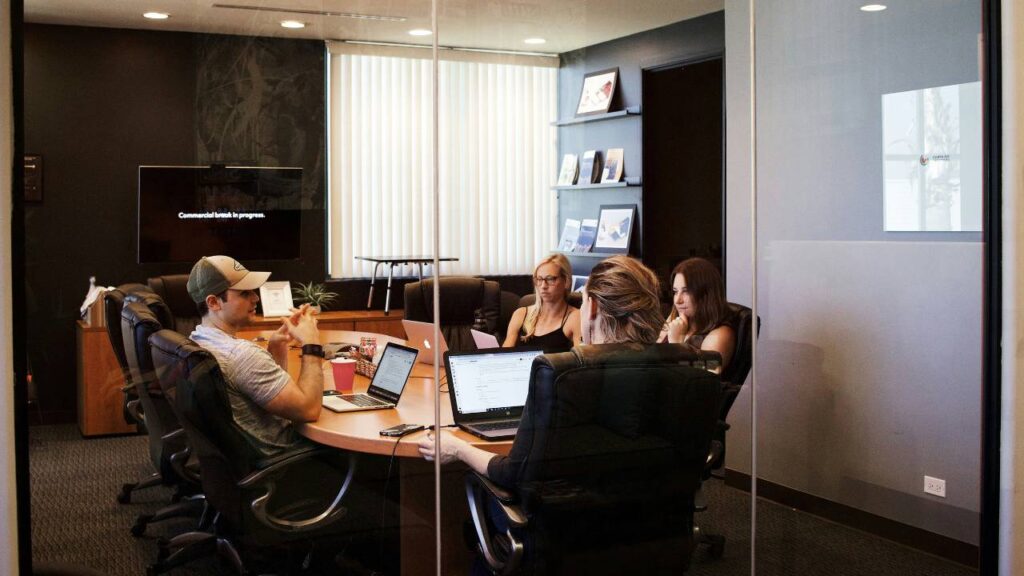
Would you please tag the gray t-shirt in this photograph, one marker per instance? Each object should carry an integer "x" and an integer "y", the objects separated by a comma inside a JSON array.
[{"x": 253, "y": 379}]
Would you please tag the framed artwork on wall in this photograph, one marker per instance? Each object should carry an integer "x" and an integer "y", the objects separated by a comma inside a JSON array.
[
  {"x": 615, "y": 228},
  {"x": 598, "y": 92},
  {"x": 276, "y": 298}
]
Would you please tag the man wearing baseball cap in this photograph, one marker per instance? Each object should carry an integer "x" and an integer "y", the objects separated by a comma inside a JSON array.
[{"x": 265, "y": 401}]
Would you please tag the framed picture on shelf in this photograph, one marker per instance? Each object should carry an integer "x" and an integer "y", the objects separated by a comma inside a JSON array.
[
  {"x": 276, "y": 298},
  {"x": 578, "y": 282},
  {"x": 615, "y": 228},
  {"x": 598, "y": 92}
]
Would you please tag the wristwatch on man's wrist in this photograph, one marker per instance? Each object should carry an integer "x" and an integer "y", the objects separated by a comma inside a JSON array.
[{"x": 313, "y": 350}]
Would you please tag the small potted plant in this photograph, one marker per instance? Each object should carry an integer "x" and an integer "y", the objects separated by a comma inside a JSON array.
[{"x": 316, "y": 295}]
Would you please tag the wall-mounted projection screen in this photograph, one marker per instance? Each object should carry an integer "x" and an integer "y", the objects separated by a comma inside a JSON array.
[{"x": 932, "y": 159}]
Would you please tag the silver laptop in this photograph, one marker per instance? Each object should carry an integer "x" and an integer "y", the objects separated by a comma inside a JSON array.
[
  {"x": 386, "y": 388},
  {"x": 488, "y": 389},
  {"x": 420, "y": 335},
  {"x": 484, "y": 340}
]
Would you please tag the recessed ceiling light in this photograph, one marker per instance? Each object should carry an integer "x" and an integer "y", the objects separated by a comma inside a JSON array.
[
  {"x": 873, "y": 7},
  {"x": 292, "y": 24},
  {"x": 156, "y": 15},
  {"x": 420, "y": 32},
  {"x": 535, "y": 41}
]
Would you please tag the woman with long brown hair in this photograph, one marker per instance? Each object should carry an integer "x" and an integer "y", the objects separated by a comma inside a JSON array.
[{"x": 700, "y": 314}]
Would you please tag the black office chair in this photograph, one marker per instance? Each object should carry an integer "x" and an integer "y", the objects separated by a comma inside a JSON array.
[
  {"x": 173, "y": 290},
  {"x": 168, "y": 450},
  {"x": 466, "y": 303},
  {"x": 113, "y": 301},
  {"x": 259, "y": 502},
  {"x": 733, "y": 378},
  {"x": 602, "y": 473}
]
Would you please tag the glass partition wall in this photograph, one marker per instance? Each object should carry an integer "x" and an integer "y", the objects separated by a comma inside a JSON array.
[
  {"x": 869, "y": 286},
  {"x": 523, "y": 146}
]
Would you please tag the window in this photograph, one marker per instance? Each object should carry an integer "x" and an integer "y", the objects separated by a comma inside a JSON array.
[{"x": 497, "y": 159}]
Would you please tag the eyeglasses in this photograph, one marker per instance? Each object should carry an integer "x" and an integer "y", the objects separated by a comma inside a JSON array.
[{"x": 546, "y": 280}]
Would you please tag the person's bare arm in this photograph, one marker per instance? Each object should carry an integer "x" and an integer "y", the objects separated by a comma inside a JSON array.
[
  {"x": 514, "y": 325},
  {"x": 723, "y": 341},
  {"x": 454, "y": 448},
  {"x": 572, "y": 327},
  {"x": 300, "y": 401}
]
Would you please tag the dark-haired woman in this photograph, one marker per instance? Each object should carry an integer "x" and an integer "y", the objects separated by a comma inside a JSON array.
[{"x": 700, "y": 315}]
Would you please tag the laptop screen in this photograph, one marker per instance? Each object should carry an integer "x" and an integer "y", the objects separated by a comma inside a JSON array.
[
  {"x": 492, "y": 382},
  {"x": 393, "y": 371}
]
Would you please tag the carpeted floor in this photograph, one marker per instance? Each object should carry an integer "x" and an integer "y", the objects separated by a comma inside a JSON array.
[{"x": 77, "y": 521}]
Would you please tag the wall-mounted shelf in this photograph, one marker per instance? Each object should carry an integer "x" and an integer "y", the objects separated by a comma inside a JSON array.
[
  {"x": 631, "y": 111},
  {"x": 630, "y": 181},
  {"x": 586, "y": 254}
]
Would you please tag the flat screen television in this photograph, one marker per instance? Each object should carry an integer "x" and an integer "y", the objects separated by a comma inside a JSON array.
[{"x": 249, "y": 213}]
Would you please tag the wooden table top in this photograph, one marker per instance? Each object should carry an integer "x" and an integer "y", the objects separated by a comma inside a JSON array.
[{"x": 360, "y": 431}]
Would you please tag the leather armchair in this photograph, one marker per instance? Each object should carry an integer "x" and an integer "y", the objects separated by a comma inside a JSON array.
[
  {"x": 113, "y": 301},
  {"x": 466, "y": 303},
  {"x": 292, "y": 496},
  {"x": 167, "y": 448},
  {"x": 173, "y": 290},
  {"x": 733, "y": 378},
  {"x": 602, "y": 474}
]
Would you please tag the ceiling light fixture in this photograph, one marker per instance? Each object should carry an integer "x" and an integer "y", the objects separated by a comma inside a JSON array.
[
  {"x": 156, "y": 15},
  {"x": 420, "y": 32},
  {"x": 292, "y": 24},
  {"x": 535, "y": 41},
  {"x": 873, "y": 7}
]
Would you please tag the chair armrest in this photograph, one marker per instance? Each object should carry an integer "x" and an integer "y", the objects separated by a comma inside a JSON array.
[
  {"x": 134, "y": 409},
  {"x": 478, "y": 488},
  {"x": 264, "y": 480},
  {"x": 179, "y": 460}
]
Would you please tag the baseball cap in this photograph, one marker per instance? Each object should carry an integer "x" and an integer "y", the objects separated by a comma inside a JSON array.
[{"x": 215, "y": 274}]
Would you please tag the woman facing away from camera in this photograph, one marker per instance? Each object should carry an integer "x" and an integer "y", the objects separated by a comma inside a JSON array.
[
  {"x": 620, "y": 305},
  {"x": 550, "y": 322},
  {"x": 700, "y": 314}
]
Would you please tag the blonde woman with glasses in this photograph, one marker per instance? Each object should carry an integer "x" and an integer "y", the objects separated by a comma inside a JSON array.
[{"x": 550, "y": 322}]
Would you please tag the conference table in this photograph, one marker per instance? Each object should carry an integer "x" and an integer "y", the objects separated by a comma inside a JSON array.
[{"x": 360, "y": 432}]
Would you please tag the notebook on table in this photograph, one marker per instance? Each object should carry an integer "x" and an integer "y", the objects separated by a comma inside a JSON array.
[
  {"x": 385, "y": 389},
  {"x": 420, "y": 335},
  {"x": 488, "y": 389}
]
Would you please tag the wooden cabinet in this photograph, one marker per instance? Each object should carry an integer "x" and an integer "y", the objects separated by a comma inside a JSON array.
[{"x": 100, "y": 399}]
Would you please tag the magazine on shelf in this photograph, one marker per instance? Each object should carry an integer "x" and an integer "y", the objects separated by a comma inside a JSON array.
[
  {"x": 612, "y": 165},
  {"x": 570, "y": 170},
  {"x": 590, "y": 167},
  {"x": 588, "y": 233},
  {"x": 570, "y": 232}
]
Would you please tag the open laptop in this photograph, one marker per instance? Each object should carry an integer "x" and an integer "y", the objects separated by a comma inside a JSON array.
[
  {"x": 420, "y": 335},
  {"x": 488, "y": 389},
  {"x": 386, "y": 388},
  {"x": 484, "y": 340}
]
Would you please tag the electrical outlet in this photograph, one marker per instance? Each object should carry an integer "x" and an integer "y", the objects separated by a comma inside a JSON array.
[{"x": 935, "y": 486}]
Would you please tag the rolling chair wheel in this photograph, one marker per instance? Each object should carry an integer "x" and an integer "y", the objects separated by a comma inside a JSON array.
[
  {"x": 126, "y": 494},
  {"x": 139, "y": 528}
]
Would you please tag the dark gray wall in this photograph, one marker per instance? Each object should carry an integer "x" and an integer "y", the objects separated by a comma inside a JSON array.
[
  {"x": 99, "y": 102},
  {"x": 869, "y": 360},
  {"x": 677, "y": 42}
]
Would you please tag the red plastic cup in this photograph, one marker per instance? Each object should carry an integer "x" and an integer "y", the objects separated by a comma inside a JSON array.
[{"x": 344, "y": 370}]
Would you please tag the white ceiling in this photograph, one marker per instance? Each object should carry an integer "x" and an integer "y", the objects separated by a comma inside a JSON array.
[{"x": 489, "y": 24}]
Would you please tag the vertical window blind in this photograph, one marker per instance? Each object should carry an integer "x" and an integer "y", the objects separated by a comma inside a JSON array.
[{"x": 497, "y": 162}]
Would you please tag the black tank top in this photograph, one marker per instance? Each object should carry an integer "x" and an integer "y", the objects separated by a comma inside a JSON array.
[{"x": 554, "y": 341}]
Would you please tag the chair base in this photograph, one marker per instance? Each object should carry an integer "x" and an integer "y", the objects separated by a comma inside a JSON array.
[{"x": 125, "y": 495}]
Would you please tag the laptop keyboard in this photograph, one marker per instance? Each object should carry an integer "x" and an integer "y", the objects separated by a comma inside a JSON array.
[
  {"x": 363, "y": 400},
  {"x": 502, "y": 425}
]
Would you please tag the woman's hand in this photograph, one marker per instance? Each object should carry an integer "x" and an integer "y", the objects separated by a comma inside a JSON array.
[
  {"x": 450, "y": 446},
  {"x": 677, "y": 329}
]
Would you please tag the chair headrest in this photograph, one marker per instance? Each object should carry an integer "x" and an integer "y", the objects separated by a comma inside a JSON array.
[
  {"x": 462, "y": 298},
  {"x": 155, "y": 303},
  {"x": 173, "y": 288}
]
